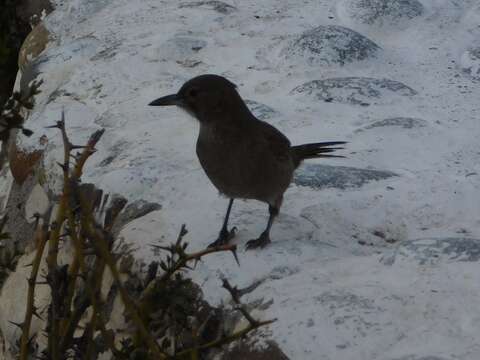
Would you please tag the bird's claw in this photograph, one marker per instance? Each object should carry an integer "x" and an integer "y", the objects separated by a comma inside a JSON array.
[
  {"x": 261, "y": 242},
  {"x": 224, "y": 237}
]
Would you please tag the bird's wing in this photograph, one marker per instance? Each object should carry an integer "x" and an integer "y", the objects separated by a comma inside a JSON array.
[{"x": 277, "y": 143}]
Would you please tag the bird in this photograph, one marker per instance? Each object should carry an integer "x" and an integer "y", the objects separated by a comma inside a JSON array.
[{"x": 243, "y": 156}]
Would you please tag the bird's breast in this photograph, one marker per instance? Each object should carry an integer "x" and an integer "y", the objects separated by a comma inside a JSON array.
[
  {"x": 217, "y": 150},
  {"x": 225, "y": 158}
]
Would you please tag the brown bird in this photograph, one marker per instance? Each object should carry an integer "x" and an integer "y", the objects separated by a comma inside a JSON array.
[{"x": 243, "y": 156}]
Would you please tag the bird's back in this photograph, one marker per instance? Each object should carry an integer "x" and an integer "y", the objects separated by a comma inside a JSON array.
[{"x": 247, "y": 159}]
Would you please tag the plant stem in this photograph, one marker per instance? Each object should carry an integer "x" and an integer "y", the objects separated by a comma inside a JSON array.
[{"x": 41, "y": 242}]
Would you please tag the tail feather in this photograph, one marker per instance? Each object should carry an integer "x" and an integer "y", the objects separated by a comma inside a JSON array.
[{"x": 316, "y": 150}]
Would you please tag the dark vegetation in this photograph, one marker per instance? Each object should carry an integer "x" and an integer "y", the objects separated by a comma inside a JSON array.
[
  {"x": 163, "y": 311},
  {"x": 13, "y": 31}
]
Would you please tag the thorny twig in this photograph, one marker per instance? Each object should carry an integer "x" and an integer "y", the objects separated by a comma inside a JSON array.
[
  {"x": 172, "y": 266},
  {"x": 183, "y": 258},
  {"x": 101, "y": 245},
  {"x": 41, "y": 241},
  {"x": 77, "y": 205},
  {"x": 62, "y": 214}
]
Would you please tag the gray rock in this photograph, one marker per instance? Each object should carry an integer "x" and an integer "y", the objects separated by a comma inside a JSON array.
[
  {"x": 354, "y": 90},
  {"x": 403, "y": 122},
  {"x": 340, "y": 177},
  {"x": 280, "y": 272},
  {"x": 116, "y": 151},
  {"x": 138, "y": 209},
  {"x": 470, "y": 62},
  {"x": 219, "y": 6},
  {"x": 382, "y": 12},
  {"x": 133, "y": 211},
  {"x": 261, "y": 111},
  {"x": 432, "y": 250},
  {"x": 330, "y": 44},
  {"x": 347, "y": 310},
  {"x": 341, "y": 299}
]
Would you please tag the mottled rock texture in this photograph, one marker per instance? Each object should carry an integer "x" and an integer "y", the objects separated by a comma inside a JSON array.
[
  {"x": 354, "y": 90},
  {"x": 401, "y": 122},
  {"x": 261, "y": 111},
  {"x": 218, "y": 6},
  {"x": 433, "y": 251},
  {"x": 330, "y": 44},
  {"x": 382, "y": 12},
  {"x": 340, "y": 177}
]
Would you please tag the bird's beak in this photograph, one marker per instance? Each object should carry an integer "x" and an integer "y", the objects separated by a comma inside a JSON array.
[{"x": 168, "y": 100}]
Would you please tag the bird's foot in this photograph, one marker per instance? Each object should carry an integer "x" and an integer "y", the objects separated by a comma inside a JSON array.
[
  {"x": 261, "y": 242},
  {"x": 224, "y": 237}
]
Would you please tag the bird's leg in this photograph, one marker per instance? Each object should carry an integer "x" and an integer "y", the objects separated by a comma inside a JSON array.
[
  {"x": 264, "y": 238},
  {"x": 225, "y": 235}
]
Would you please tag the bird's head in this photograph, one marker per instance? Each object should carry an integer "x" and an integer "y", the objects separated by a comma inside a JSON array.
[{"x": 205, "y": 97}]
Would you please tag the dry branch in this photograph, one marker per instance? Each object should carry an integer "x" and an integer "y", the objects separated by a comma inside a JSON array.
[
  {"x": 41, "y": 241},
  {"x": 78, "y": 219}
]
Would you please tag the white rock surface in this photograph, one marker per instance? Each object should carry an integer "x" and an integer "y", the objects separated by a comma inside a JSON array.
[
  {"x": 334, "y": 298},
  {"x": 37, "y": 203}
]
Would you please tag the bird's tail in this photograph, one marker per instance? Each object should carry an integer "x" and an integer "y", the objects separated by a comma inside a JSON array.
[{"x": 316, "y": 150}]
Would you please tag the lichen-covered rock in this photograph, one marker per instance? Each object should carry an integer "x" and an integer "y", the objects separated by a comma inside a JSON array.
[
  {"x": 341, "y": 177},
  {"x": 261, "y": 111},
  {"x": 354, "y": 90},
  {"x": 331, "y": 44},
  {"x": 348, "y": 309},
  {"x": 433, "y": 250},
  {"x": 402, "y": 122},
  {"x": 470, "y": 62},
  {"x": 219, "y": 6},
  {"x": 381, "y": 12}
]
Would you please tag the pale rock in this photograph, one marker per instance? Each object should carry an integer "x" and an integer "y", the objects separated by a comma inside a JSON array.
[{"x": 37, "y": 203}]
